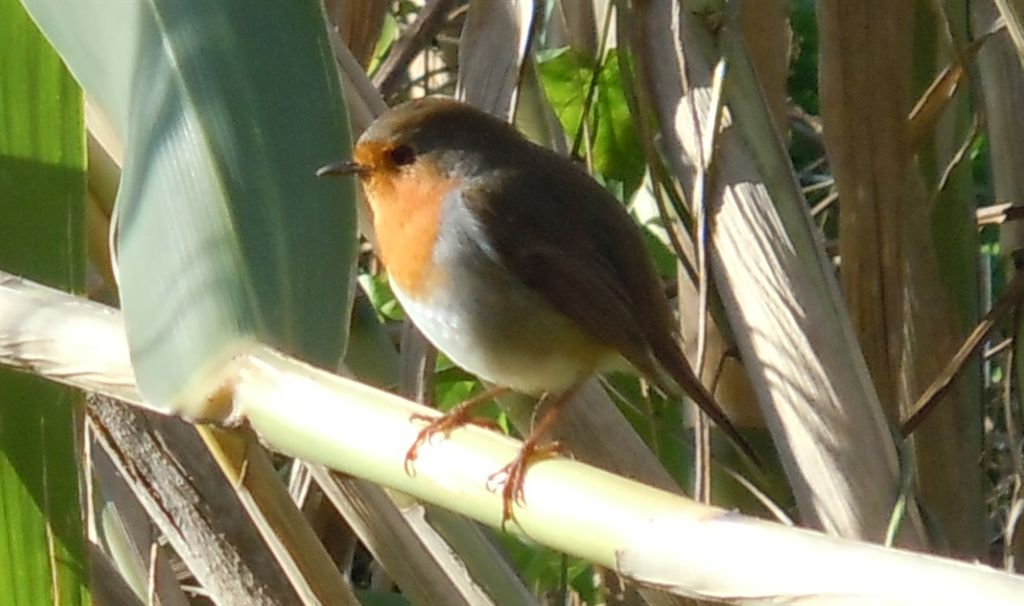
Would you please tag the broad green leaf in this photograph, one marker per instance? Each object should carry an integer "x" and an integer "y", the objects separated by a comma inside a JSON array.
[
  {"x": 224, "y": 236},
  {"x": 566, "y": 76},
  {"x": 42, "y": 189},
  {"x": 616, "y": 154}
]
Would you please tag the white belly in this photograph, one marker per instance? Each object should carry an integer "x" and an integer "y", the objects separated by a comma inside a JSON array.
[{"x": 506, "y": 337}]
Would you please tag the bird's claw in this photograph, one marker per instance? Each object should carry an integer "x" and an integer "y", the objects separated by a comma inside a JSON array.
[
  {"x": 512, "y": 477},
  {"x": 443, "y": 425}
]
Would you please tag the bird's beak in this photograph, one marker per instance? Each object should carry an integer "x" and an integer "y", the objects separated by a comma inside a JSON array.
[{"x": 345, "y": 167}]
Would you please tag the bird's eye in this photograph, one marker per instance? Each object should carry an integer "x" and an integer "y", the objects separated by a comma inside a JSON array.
[{"x": 401, "y": 155}]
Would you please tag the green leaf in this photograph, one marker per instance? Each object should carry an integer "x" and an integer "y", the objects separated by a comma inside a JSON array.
[
  {"x": 658, "y": 421},
  {"x": 617, "y": 151},
  {"x": 548, "y": 571},
  {"x": 803, "y": 74},
  {"x": 388, "y": 36},
  {"x": 664, "y": 257},
  {"x": 566, "y": 75},
  {"x": 378, "y": 289},
  {"x": 224, "y": 235},
  {"x": 380, "y": 598},
  {"x": 42, "y": 189},
  {"x": 616, "y": 154}
]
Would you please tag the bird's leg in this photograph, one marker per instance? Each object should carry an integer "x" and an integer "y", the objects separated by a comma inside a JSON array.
[
  {"x": 512, "y": 477},
  {"x": 461, "y": 415}
]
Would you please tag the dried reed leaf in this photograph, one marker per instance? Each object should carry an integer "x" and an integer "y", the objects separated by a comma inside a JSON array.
[
  {"x": 777, "y": 287},
  {"x": 492, "y": 49},
  {"x": 359, "y": 23},
  {"x": 940, "y": 92},
  {"x": 571, "y": 23}
]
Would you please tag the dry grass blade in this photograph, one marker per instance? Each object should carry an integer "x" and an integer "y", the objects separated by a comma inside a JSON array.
[
  {"x": 768, "y": 35},
  {"x": 291, "y": 540},
  {"x": 428, "y": 21},
  {"x": 107, "y": 584},
  {"x": 1013, "y": 528},
  {"x": 998, "y": 214},
  {"x": 961, "y": 154},
  {"x": 187, "y": 498},
  {"x": 418, "y": 360},
  {"x": 359, "y": 23},
  {"x": 908, "y": 264},
  {"x": 363, "y": 101},
  {"x": 572, "y": 23},
  {"x": 127, "y": 535},
  {"x": 705, "y": 163},
  {"x": 778, "y": 288},
  {"x": 867, "y": 137},
  {"x": 112, "y": 377},
  {"x": 1012, "y": 12},
  {"x": 491, "y": 54},
  {"x": 999, "y": 68},
  {"x": 104, "y": 175},
  {"x": 422, "y": 563},
  {"x": 1009, "y": 303},
  {"x": 535, "y": 117},
  {"x": 934, "y": 101}
]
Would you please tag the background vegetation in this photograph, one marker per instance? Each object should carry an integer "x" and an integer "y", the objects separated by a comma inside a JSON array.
[{"x": 898, "y": 122}]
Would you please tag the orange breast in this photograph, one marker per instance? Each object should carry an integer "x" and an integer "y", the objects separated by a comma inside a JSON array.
[{"x": 406, "y": 207}]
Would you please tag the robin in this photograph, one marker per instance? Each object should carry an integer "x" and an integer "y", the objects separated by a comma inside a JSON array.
[{"x": 516, "y": 264}]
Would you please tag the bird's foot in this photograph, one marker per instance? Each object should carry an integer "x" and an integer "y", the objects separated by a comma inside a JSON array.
[
  {"x": 444, "y": 424},
  {"x": 440, "y": 425},
  {"x": 512, "y": 477}
]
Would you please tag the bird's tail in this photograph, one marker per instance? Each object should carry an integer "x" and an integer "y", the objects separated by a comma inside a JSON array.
[{"x": 671, "y": 359}]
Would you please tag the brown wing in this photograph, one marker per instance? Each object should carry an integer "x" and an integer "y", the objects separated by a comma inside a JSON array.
[
  {"x": 589, "y": 296},
  {"x": 560, "y": 233}
]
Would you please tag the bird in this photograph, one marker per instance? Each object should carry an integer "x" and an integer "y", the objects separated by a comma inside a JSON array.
[{"x": 517, "y": 265}]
